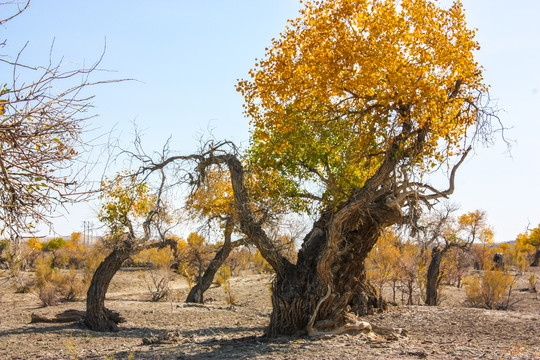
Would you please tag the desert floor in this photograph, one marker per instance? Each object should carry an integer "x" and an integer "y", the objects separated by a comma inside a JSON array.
[{"x": 172, "y": 330}]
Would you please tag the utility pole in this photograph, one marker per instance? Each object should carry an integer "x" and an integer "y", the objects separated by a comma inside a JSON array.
[{"x": 86, "y": 229}]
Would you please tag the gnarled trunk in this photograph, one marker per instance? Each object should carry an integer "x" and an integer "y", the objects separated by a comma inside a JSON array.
[
  {"x": 98, "y": 318},
  {"x": 432, "y": 284},
  {"x": 196, "y": 293},
  {"x": 328, "y": 282},
  {"x": 536, "y": 258}
]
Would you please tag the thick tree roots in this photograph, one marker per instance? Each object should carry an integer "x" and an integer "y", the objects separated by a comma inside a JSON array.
[
  {"x": 105, "y": 321},
  {"x": 353, "y": 324}
]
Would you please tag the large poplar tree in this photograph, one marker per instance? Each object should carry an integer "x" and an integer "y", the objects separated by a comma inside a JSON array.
[{"x": 352, "y": 108}]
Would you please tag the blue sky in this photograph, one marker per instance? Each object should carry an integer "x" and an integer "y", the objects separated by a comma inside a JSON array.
[{"x": 187, "y": 55}]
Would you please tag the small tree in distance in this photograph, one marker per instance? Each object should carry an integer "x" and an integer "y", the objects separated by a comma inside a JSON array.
[{"x": 444, "y": 233}]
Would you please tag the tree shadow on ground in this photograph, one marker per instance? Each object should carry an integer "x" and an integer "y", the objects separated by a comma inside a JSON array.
[{"x": 243, "y": 347}]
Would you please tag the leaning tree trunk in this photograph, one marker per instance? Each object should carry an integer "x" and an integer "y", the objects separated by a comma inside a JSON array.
[
  {"x": 328, "y": 282},
  {"x": 536, "y": 258},
  {"x": 99, "y": 318},
  {"x": 432, "y": 283},
  {"x": 196, "y": 293}
]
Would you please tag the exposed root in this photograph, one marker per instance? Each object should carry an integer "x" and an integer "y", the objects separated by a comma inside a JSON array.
[
  {"x": 354, "y": 324},
  {"x": 309, "y": 327}
]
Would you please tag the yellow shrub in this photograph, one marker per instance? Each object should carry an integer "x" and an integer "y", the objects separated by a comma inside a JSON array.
[
  {"x": 261, "y": 265},
  {"x": 223, "y": 275},
  {"x": 491, "y": 290}
]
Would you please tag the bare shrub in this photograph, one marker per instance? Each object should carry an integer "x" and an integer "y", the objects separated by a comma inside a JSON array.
[
  {"x": 490, "y": 290},
  {"x": 48, "y": 293},
  {"x": 71, "y": 286},
  {"x": 159, "y": 274}
]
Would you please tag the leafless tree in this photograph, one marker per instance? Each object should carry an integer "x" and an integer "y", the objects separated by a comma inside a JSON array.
[{"x": 43, "y": 110}]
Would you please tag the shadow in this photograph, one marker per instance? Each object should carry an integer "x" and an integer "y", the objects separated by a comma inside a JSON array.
[
  {"x": 78, "y": 329},
  {"x": 245, "y": 347}
]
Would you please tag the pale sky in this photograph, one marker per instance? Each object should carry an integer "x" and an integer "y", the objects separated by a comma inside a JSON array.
[{"x": 187, "y": 55}]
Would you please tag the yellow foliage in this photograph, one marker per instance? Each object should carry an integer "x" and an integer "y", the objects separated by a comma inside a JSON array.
[
  {"x": 34, "y": 244},
  {"x": 223, "y": 275},
  {"x": 346, "y": 78},
  {"x": 123, "y": 198},
  {"x": 490, "y": 290},
  {"x": 381, "y": 262},
  {"x": 155, "y": 258},
  {"x": 214, "y": 197}
]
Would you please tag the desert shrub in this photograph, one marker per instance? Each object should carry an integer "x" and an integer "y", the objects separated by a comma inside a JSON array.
[
  {"x": 223, "y": 279},
  {"x": 53, "y": 285},
  {"x": 67, "y": 254},
  {"x": 491, "y": 290},
  {"x": 223, "y": 275},
  {"x": 93, "y": 258},
  {"x": 71, "y": 285},
  {"x": 159, "y": 274},
  {"x": 260, "y": 264},
  {"x": 532, "y": 283},
  {"x": 48, "y": 294}
]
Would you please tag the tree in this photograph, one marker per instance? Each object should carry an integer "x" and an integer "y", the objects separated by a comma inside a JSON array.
[
  {"x": 42, "y": 114},
  {"x": 530, "y": 242},
  {"x": 212, "y": 200},
  {"x": 444, "y": 233},
  {"x": 352, "y": 108},
  {"x": 133, "y": 215},
  {"x": 362, "y": 98}
]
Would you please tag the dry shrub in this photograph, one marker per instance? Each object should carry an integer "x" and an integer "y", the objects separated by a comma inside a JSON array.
[
  {"x": 490, "y": 290},
  {"x": 223, "y": 279},
  {"x": 159, "y": 274},
  {"x": 261, "y": 265},
  {"x": 48, "y": 294},
  {"x": 53, "y": 285},
  {"x": 532, "y": 283},
  {"x": 223, "y": 275},
  {"x": 230, "y": 297}
]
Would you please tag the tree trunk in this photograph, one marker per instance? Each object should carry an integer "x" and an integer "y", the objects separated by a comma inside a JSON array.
[
  {"x": 432, "y": 284},
  {"x": 196, "y": 293},
  {"x": 329, "y": 281},
  {"x": 98, "y": 318},
  {"x": 536, "y": 258}
]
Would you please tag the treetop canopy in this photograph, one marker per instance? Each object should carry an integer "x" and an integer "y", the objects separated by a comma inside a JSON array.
[{"x": 349, "y": 79}]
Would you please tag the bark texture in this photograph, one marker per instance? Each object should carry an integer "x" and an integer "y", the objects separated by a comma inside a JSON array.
[
  {"x": 333, "y": 264},
  {"x": 196, "y": 294},
  {"x": 536, "y": 258},
  {"x": 432, "y": 284},
  {"x": 99, "y": 318}
]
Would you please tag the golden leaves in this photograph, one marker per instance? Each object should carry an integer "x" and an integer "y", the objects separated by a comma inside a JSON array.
[{"x": 362, "y": 69}]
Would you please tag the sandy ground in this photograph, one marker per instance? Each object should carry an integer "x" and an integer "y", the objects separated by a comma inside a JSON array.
[{"x": 171, "y": 330}]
